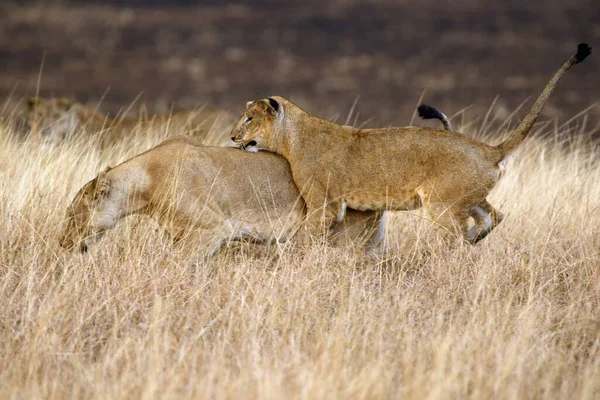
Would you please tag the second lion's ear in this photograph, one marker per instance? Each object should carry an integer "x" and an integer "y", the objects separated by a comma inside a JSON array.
[
  {"x": 102, "y": 184},
  {"x": 32, "y": 102}
]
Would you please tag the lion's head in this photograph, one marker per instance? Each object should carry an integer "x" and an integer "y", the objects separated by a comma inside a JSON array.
[
  {"x": 86, "y": 217},
  {"x": 53, "y": 119},
  {"x": 256, "y": 128}
]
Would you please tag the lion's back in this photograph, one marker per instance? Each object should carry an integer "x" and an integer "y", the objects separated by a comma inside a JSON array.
[
  {"x": 255, "y": 189},
  {"x": 253, "y": 181},
  {"x": 236, "y": 181}
]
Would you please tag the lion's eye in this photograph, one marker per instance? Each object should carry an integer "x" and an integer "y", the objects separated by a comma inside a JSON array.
[{"x": 248, "y": 119}]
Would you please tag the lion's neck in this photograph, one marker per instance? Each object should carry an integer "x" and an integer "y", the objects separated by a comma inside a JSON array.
[
  {"x": 306, "y": 136},
  {"x": 129, "y": 187}
]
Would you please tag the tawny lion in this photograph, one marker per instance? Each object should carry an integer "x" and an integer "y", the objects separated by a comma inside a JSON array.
[
  {"x": 208, "y": 195},
  {"x": 335, "y": 167},
  {"x": 55, "y": 119}
]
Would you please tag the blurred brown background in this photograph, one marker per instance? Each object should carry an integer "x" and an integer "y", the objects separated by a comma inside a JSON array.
[{"x": 320, "y": 54}]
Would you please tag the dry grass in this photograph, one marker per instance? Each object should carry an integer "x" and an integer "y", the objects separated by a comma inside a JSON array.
[{"x": 517, "y": 316}]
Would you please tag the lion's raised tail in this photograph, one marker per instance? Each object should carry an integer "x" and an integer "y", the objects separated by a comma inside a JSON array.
[
  {"x": 509, "y": 145},
  {"x": 428, "y": 112}
]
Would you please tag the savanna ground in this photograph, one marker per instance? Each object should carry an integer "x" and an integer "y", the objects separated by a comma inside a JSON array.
[{"x": 516, "y": 316}]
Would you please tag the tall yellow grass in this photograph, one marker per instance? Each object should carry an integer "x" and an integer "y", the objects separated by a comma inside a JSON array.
[{"x": 516, "y": 316}]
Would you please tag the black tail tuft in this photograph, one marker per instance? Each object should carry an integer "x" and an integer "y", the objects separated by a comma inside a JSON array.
[
  {"x": 583, "y": 50},
  {"x": 427, "y": 112}
]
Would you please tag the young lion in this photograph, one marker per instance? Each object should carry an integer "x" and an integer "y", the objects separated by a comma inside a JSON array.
[
  {"x": 55, "y": 119},
  {"x": 335, "y": 167},
  {"x": 207, "y": 195}
]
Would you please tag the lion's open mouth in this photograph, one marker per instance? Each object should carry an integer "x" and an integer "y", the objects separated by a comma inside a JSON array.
[{"x": 251, "y": 143}]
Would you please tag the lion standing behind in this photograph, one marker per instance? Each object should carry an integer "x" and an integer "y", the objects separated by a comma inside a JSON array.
[{"x": 405, "y": 168}]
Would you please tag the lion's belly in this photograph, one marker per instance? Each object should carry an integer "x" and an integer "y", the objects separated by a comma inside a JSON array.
[{"x": 365, "y": 202}]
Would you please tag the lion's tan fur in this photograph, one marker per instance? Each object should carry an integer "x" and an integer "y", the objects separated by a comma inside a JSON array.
[
  {"x": 206, "y": 194},
  {"x": 58, "y": 118},
  {"x": 334, "y": 166}
]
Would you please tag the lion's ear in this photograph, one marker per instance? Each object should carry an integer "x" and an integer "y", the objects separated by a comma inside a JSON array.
[
  {"x": 66, "y": 103},
  {"x": 102, "y": 184},
  {"x": 274, "y": 104},
  {"x": 269, "y": 106},
  {"x": 32, "y": 102}
]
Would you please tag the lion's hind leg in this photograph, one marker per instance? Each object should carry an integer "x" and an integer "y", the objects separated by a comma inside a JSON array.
[
  {"x": 450, "y": 221},
  {"x": 486, "y": 219}
]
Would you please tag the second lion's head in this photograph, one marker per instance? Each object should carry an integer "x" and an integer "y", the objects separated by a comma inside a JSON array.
[{"x": 52, "y": 118}]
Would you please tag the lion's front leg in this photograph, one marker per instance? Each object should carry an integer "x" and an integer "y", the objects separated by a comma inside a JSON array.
[{"x": 320, "y": 218}]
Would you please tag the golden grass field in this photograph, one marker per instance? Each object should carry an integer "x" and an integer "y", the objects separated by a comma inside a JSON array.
[{"x": 516, "y": 316}]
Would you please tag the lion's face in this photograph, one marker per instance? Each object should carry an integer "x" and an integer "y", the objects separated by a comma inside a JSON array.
[
  {"x": 255, "y": 129},
  {"x": 52, "y": 119},
  {"x": 84, "y": 218}
]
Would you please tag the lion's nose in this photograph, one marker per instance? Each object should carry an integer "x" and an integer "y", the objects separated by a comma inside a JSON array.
[{"x": 62, "y": 241}]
